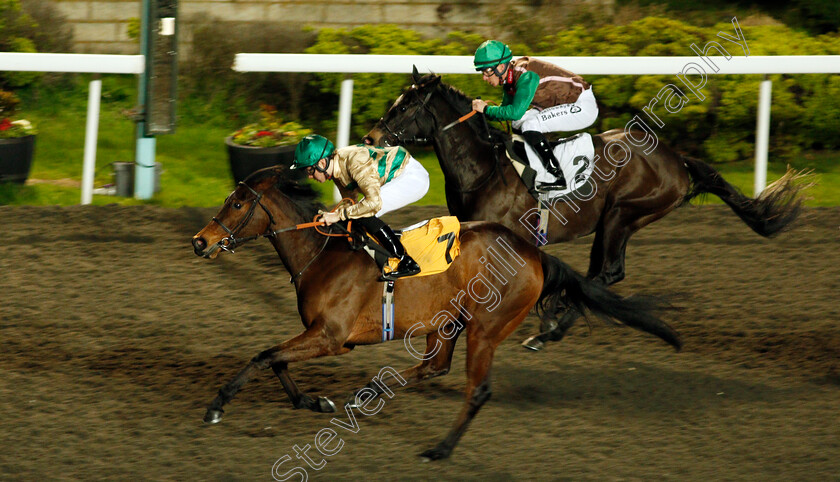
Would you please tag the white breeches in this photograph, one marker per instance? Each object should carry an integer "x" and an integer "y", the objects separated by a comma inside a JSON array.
[
  {"x": 410, "y": 186},
  {"x": 561, "y": 118}
]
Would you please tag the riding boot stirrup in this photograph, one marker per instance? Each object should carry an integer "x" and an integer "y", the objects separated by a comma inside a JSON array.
[
  {"x": 543, "y": 149},
  {"x": 391, "y": 242}
]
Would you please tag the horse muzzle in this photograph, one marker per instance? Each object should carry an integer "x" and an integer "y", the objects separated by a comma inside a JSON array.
[
  {"x": 201, "y": 249},
  {"x": 377, "y": 137}
]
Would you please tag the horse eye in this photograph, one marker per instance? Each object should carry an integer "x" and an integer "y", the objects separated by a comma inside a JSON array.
[
  {"x": 237, "y": 205},
  {"x": 402, "y": 108}
]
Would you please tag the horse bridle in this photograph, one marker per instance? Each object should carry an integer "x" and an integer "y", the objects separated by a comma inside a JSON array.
[
  {"x": 397, "y": 136},
  {"x": 424, "y": 140},
  {"x": 231, "y": 241}
]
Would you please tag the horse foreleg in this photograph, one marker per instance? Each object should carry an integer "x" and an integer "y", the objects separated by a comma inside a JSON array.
[
  {"x": 556, "y": 330},
  {"x": 436, "y": 365},
  {"x": 596, "y": 254},
  {"x": 619, "y": 226},
  {"x": 309, "y": 344},
  {"x": 554, "y": 333},
  {"x": 298, "y": 398},
  {"x": 606, "y": 264},
  {"x": 480, "y": 352}
]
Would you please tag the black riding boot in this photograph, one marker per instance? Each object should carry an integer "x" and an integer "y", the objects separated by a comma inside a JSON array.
[
  {"x": 391, "y": 242},
  {"x": 543, "y": 148}
]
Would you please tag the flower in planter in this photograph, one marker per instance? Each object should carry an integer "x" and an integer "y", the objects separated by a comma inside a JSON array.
[
  {"x": 12, "y": 128},
  {"x": 270, "y": 131}
]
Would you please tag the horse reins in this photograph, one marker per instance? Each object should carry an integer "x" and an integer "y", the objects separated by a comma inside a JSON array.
[
  {"x": 459, "y": 120},
  {"x": 231, "y": 242},
  {"x": 423, "y": 140},
  {"x": 496, "y": 167}
]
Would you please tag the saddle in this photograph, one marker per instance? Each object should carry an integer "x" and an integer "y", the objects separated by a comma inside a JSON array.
[
  {"x": 434, "y": 244},
  {"x": 574, "y": 153}
]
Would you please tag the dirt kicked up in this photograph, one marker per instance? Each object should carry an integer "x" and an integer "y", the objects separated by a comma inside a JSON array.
[{"x": 114, "y": 337}]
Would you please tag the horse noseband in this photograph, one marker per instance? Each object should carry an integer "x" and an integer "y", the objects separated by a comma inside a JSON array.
[{"x": 230, "y": 242}]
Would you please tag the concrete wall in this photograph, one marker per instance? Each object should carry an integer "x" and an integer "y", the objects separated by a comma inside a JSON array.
[{"x": 102, "y": 26}]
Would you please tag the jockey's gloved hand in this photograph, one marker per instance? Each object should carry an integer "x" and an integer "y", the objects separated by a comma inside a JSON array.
[{"x": 478, "y": 105}]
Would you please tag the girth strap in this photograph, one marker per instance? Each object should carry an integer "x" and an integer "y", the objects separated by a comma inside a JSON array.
[{"x": 388, "y": 311}]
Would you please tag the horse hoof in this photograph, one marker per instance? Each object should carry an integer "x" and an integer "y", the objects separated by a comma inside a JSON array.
[
  {"x": 325, "y": 405},
  {"x": 213, "y": 416},
  {"x": 437, "y": 453},
  {"x": 534, "y": 343},
  {"x": 352, "y": 403}
]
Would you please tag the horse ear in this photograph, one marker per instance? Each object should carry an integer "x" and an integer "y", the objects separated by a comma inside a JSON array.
[{"x": 415, "y": 74}]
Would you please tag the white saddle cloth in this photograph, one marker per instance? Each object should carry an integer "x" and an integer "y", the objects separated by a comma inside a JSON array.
[{"x": 575, "y": 158}]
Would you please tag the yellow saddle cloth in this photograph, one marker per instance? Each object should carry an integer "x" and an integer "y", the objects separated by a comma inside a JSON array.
[{"x": 434, "y": 245}]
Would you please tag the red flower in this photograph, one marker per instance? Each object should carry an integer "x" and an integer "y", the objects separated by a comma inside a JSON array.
[
  {"x": 5, "y": 124},
  {"x": 263, "y": 133}
]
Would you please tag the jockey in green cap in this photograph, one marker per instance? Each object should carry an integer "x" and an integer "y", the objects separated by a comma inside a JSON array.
[
  {"x": 388, "y": 178},
  {"x": 539, "y": 97}
]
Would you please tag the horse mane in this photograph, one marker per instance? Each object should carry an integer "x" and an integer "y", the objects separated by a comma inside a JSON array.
[
  {"x": 304, "y": 199},
  {"x": 464, "y": 103}
]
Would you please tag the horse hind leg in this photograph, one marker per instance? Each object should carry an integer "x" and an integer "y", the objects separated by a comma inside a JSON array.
[
  {"x": 480, "y": 353},
  {"x": 439, "y": 359},
  {"x": 482, "y": 340}
]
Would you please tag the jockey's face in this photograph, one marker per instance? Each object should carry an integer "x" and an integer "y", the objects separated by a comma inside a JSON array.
[
  {"x": 313, "y": 173},
  {"x": 489, "y": 75}
]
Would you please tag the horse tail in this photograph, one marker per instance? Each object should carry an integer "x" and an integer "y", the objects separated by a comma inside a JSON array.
[
  {"x": 563, "y": 286},
  {"x": 768, "y": 214}
]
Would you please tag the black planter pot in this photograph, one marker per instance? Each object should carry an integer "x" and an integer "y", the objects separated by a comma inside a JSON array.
[
  {"x": 244, "y": 160},
  {"x": 16, "y": 158}
]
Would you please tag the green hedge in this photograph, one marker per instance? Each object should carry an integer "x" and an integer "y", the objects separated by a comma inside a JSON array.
[
  {"x": 14, "y": 24},
  {"x": 805, "y": 113}
]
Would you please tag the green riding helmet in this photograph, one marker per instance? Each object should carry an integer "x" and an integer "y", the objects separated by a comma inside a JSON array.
[
  {"x": 312, "y": 149},
  {"x": 490, "y": 54}
]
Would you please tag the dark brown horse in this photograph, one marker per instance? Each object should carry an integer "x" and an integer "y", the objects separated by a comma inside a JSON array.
[
  {"x": 486, "y": 292},
  {"x": 629, "y": 188}
]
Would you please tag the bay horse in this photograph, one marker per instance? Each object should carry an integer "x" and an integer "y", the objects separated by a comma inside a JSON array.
[
  {"x": 480, "y": 183},
  {"x": 339, "y": 296}
]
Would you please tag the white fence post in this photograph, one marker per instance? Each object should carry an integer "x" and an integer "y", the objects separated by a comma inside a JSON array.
[
  {"x": 82, "y": 63},
  {"x": 345, "y": 107},
  {"x": 762, "y": 136},
  {"x": 91, "y": 134}
]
